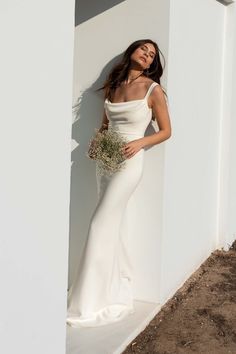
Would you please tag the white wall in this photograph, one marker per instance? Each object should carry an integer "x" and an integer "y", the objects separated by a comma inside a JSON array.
[
  {"x": 228, "y": 224},
  {"x": 36, "y": 97},
  {"x": 183, "y": 209},
  {"x": 190, "y": 207},
  {"x": 98, "y": 42}
]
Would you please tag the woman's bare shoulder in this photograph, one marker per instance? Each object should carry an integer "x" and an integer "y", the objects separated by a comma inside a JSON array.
[{"x": 148, "y": 81}]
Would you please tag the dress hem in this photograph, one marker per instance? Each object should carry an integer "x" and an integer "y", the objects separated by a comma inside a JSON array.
[{"x": 97, "y": 319}]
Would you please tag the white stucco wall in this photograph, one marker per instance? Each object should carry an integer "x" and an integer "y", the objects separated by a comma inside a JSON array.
[
  {"x": 190, "y": 207},
  {"x": 178, "y": 212},
  {"x": 226, "y": 230},
  {"x": 36, "y": 96},
  {"x": 230, "y": 228},
  {"x": 97, "y": 42}
]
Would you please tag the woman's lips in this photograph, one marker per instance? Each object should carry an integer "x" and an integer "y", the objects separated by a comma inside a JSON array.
[{"x": 143, "y": 59}]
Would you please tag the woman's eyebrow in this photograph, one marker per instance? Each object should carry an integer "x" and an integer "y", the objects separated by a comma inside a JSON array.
[{"x": 150, "y": 50}]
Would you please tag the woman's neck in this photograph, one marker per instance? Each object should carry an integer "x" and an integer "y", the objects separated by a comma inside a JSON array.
[{"x": 133, "y": 75}]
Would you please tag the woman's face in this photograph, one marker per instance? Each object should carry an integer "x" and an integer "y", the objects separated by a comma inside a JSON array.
[{"x": 144, "y": 55}]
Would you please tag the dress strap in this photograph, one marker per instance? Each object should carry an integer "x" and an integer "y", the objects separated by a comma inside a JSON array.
[{"x": 151, "y": 87}]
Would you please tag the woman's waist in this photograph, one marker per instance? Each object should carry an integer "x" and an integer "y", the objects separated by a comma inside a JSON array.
[{"x": 127, "y": 133}]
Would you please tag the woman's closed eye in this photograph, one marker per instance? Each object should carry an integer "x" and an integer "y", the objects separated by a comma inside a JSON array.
[{"x": 145, "y": 49}]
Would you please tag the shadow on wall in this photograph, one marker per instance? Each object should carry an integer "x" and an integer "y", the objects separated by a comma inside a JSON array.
[
  {"x": 88, "y": 112},
  {"x": 86, "y": 9},
  {"x": 225, "y": 2}
]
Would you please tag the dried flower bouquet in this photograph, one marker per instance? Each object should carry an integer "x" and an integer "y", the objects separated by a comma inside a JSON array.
[{"x": 106, "y": 148}]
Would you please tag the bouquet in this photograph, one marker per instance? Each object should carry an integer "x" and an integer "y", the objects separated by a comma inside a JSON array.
[{"x": 107, "y": 149}]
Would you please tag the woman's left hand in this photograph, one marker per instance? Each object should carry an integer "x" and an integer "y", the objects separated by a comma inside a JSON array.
[{"x": 132, "y": 147}]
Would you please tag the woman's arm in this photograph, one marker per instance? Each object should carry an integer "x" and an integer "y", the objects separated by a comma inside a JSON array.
[
  {"x": 159, "y": 107},
  {"x": 105, "y": 122}
]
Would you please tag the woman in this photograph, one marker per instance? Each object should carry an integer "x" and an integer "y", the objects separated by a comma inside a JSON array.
[{"x": 102, "y": 289}]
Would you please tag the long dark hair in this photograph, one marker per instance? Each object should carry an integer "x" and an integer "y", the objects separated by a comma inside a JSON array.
[{"x": 119, "y": 72}]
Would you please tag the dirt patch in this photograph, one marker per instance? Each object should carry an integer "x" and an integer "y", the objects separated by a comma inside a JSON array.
[{"x": 201, "y": 317}]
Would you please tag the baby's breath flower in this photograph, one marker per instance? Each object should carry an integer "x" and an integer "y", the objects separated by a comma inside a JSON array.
[{"x": 106, "y": 148}]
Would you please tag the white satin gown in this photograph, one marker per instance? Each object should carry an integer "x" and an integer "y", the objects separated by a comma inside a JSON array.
[{"x": 101, "y": 292}]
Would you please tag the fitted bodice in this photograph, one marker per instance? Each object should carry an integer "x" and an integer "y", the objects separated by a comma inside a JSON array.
[{"x": 130, "y": 118}]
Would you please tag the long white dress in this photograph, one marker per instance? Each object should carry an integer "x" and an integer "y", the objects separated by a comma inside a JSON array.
[{"x": 102, "y": 289}]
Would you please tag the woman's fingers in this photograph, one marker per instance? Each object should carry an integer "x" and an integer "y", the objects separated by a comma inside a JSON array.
[{"x": 129, "y": 150}]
